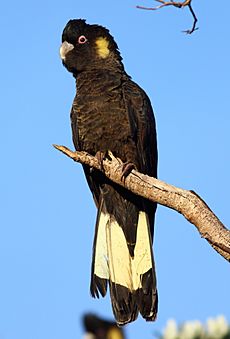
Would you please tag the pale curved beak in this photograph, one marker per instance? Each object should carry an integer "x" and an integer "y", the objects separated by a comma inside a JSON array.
[{"x": 65, "y": 48}]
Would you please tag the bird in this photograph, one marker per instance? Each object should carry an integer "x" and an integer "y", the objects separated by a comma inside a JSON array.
[
  {"x": 100, "y": 328},
  {"x": 111, "y": 113}
]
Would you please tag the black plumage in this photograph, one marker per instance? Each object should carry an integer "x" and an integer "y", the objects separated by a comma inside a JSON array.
[
  {"x": 111, "y": 112},
  {"x": 100, "y": 328}
]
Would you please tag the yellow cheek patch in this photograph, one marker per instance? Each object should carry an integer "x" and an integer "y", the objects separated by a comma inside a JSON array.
[
  {"x": 102, "y": 47},
  {"x": 115, "y": 333}
]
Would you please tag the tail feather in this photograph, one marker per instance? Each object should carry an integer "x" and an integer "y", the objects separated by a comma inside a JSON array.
[
  {"x": 131, "y": 278},
  {"x": 100, "y": 268},
  {"x": 147, "y": 298},
  {"x": 124, "y": 304}
]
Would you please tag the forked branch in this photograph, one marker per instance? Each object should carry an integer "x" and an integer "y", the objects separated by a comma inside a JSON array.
[
  {"x": 188, "y": 203},
  {"x": 178, "y": 5}
]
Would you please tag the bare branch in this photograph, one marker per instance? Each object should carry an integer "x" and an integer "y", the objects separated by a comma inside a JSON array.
[
  {"x": 178, "y": 5},
  {"x": 194, "y": 28},
  {"x": 188, "y": 203}
]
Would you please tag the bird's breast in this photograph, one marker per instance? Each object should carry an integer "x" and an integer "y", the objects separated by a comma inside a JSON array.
[{"x": 102, "y": 118}]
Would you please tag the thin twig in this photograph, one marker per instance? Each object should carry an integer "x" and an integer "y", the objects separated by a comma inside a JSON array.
[
  {"x": 194, "y": 28},
  {"x": 178, "y": 5}
]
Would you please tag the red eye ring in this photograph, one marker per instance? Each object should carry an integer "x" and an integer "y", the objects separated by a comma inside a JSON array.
[{"x": 82, "y": 39}]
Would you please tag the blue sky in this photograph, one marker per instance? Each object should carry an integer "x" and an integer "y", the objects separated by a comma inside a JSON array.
[{"x": 47, "y": 213}]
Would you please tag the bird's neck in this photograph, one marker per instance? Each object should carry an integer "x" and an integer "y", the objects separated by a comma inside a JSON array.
[{"x": 100, "y": 79}]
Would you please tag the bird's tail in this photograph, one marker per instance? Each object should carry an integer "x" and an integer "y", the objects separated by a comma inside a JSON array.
[{"x": 132, "y": 279}]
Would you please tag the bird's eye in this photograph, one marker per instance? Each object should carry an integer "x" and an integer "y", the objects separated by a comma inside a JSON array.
[{"x": 82, "y": 39}]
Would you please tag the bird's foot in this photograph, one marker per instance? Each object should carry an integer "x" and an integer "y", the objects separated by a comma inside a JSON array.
[
  {"x": 126, "y": 169},
  {"x": 100, "y": 157}
]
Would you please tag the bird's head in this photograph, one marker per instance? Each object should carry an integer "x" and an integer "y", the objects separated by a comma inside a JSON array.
[{"x": 88, "y": 47}]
